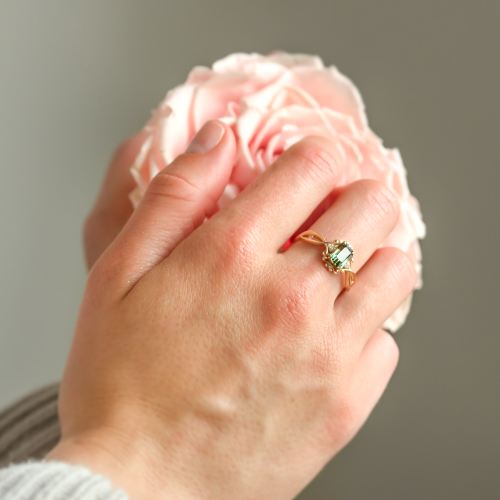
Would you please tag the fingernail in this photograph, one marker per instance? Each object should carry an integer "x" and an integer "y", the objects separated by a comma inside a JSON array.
[{"x": 206, "y": 138}]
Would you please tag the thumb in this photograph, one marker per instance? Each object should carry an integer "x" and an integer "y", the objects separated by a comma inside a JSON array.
[{"x": 176, "y": 202}]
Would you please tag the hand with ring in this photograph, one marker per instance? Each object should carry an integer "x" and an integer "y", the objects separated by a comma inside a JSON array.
[{"x": 206, "y": 362}]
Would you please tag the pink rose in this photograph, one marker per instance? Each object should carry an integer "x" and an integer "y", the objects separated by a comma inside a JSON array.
[{"x": 271, "y": 102}]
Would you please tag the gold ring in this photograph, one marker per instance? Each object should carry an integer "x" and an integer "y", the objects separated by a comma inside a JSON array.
[{"x": 337, "y": 257}]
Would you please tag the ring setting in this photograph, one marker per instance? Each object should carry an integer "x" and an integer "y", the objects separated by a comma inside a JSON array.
[{"x": 337, "y": 256}]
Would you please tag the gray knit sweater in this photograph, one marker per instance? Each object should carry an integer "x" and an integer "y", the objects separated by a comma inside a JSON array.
[{"x": 29, "y": 429}]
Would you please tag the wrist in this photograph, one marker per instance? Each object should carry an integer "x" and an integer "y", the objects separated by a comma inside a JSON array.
[{"x": 128, "y": 466}]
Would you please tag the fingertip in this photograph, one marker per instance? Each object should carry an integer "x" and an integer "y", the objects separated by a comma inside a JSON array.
[
  {"x": 207, "y": 138},
  {"x": 225, "y": 150},
  {"x": 212, "y": 137},
  {"x": 213, "y": 151}
]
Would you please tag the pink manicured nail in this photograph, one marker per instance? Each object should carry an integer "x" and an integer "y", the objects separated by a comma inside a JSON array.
[{"x": 206, "y": 138}]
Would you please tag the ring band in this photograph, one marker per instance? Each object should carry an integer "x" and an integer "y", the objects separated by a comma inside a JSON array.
[{"x": 337, "y": 256}]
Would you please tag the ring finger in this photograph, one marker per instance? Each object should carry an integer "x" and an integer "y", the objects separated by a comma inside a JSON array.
[{"x": 364, "y": 214}]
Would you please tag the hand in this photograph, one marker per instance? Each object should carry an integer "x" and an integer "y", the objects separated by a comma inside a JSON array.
[
  {"x": 113, "y": 206},
  {"x": 205, "y": 363}
]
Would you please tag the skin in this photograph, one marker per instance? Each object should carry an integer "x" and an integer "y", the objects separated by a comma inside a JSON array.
[{"x": 207, "y": 363}]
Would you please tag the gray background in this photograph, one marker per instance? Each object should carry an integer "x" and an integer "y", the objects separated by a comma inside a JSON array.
[{"x": 77, "y": 77}]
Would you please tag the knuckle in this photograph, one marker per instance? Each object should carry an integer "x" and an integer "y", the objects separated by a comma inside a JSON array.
[
  {"x": 293, "y": 300},
  {"x": 235, "y": 245},
  {"x": 325, "y": 360},
  {"x": 316, "y": 158},
  {"x": 382, "y": 201},
  {"x": 169, "y": 183}
]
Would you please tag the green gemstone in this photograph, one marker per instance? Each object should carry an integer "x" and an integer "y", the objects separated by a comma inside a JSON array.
[{"x": 341, "y": 256}]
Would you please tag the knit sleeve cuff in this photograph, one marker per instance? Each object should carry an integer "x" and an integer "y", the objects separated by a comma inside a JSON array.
[{"x": 51, "y": 480}]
